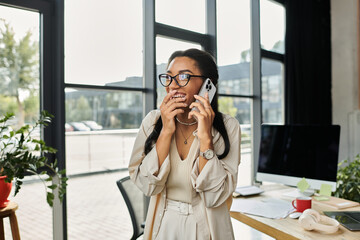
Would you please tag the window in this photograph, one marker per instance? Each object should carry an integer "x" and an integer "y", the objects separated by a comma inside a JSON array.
[
  {"x": 233, "y": 59},
  {"x": 272, "y": 91},
  {"x": 101, "y": 47},
  {"x": 185, "y": 14},
  {"x": 272, "y": 27},
  {"x": 234, "y": 73},
  {"x": 104, "y": 98},
  {"x": 108, "y": 140},
  {"x": 24, "y": 64},
  {"x": 19, "y": 43}
]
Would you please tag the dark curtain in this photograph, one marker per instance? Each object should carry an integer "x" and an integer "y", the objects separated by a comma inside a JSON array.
[{"x": 308, "y": 62}]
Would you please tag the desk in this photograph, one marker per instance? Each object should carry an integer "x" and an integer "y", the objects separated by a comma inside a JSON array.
[{"x": 289, "y": 229}]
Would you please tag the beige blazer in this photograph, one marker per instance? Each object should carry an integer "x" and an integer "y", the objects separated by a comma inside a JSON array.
[{"x": 211, "y": 188}]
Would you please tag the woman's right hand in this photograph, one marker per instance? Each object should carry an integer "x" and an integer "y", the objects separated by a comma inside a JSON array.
[{"x": 169, "y": 108}]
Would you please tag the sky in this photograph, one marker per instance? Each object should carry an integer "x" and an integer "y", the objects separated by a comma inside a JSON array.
[
  {"x": 104, "y": 42},
  {"x": 21, "y": 20}
]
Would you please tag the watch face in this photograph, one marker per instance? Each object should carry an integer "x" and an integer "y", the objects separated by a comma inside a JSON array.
[{"x": 209, "y": 154}]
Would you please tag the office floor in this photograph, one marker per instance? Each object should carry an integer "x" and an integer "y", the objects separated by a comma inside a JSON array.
[{"x": 96, "y": 210}]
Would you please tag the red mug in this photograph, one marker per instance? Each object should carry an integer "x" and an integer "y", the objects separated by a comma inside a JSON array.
[{"x": 302, "y": 203}]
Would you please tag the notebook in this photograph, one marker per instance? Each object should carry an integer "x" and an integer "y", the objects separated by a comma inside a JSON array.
[
  {"x": 349, "y": 219},
  {"x": 338, "y": 203}
]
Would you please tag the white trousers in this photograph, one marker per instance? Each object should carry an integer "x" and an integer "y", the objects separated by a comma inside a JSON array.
[{"x": 178, "y": 222}]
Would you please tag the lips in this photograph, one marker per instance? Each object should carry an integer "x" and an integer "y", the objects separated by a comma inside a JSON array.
[{"x": 179, "y": 95}]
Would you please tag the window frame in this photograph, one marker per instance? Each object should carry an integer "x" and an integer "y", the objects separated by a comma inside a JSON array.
[
  {"x": 258, "y": 55},
  {"x": 153, "y": 29},
  {"x": 51, "y": 85}
]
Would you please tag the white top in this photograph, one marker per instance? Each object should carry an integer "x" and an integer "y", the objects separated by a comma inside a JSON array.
[{"x": 178, "y": 186}]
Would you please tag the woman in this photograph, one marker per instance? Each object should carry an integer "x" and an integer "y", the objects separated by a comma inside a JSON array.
[{"x": 187, "y": 161}]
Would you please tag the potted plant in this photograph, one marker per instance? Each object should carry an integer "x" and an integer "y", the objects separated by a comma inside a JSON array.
[
  {"x": 348, "y": 180},
  {"x": 21, "y": 152}
]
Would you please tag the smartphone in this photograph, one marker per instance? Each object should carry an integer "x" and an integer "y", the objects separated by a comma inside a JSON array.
[{"x": 208, "y": 87}]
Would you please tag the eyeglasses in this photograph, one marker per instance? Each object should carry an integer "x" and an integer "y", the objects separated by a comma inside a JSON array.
[{"x": 181, "y": 79}]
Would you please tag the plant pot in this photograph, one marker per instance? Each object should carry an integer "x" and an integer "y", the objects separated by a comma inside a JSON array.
[{"x": 5, "y": 189}]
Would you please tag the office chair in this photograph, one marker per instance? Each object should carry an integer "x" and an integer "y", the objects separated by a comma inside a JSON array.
[{"x": 137, "y": 204}]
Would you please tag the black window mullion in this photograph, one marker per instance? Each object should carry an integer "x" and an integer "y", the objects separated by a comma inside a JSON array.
[
  {"x": 282, "y": 2},
  {"x": 272, "y": 55},
  {"x": 211, "y": 25},
  {"x": 111, "y": 88},
  {"x": 149, "y": 61},
  {"x": 235, "y": 95},
  {"x": 181, "y": 34}
]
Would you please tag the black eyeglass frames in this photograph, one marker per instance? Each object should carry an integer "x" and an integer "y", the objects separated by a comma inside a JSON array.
[{"x": 181, "y": 79}]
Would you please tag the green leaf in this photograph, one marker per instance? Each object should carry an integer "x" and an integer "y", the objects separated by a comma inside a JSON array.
[
  {"x": 50, "y": 198},
  {"x": 54, "y": 186},
  {"x": 49, "y": 179}
]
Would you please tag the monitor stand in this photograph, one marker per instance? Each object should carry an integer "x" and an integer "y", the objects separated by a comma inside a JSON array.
[{"x": 296, "y": 193}]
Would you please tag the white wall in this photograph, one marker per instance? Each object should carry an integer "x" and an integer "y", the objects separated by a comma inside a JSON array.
[{"x": 345, "y": 70}]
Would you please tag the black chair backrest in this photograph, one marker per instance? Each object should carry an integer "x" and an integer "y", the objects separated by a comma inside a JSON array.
[{"x": 136, "y": 203}]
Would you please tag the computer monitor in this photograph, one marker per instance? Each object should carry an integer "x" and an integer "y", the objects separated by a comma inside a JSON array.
[{"x": 290, "y": 152}]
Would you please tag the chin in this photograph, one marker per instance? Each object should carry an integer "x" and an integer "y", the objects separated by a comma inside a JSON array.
[{"x": 186, "y": 109}]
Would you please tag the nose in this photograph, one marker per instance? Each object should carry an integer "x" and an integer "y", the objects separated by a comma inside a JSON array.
[{"x": 173, "y": 85}]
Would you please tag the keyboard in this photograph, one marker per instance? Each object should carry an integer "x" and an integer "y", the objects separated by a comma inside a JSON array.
[{"x": 354, "y": 214}]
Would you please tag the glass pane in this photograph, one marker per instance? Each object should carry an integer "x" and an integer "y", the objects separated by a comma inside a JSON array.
[
  {"x": 234, "y": 61},
  {"x": 164, "y": 48},
  {"x": 103, "y": 45},
  {"x": 96, "y": 209},
  {"x": 272, "y": 87},
  {"x": 272, "y": 26},
  {"x": 101, "y": 127},
  {"x": 240, "y": 109},
  {"x": 19, "y": 64},
  {"x": 20, "y": 94},
  {"x": 179, "y": 14}
]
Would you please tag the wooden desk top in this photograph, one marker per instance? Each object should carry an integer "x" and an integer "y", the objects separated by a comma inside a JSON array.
[{"x": 289, "y": 229}]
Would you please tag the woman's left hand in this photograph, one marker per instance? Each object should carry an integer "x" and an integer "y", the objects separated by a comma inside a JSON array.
[{"x": 205, "y": 117}]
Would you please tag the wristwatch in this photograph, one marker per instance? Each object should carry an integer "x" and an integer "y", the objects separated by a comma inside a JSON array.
[{"x": 208, "y": 154}]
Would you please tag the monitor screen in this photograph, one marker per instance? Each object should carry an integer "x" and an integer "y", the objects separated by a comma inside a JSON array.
[{"x": 291, "y": 152}]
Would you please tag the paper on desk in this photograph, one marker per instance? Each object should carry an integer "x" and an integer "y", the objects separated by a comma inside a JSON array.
[
  {"x": 269, "y": 208},
  {"x": 325, "y": 190},
  {"x": 303, "y": 185}
]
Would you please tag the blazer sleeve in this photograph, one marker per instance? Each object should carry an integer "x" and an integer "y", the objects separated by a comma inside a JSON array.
[
  {"x": 144, "y": 169},
  {"x": 218, "y": 178}
]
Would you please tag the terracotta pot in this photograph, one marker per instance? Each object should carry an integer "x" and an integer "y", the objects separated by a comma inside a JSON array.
[{"x": 5, "y": 189}]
